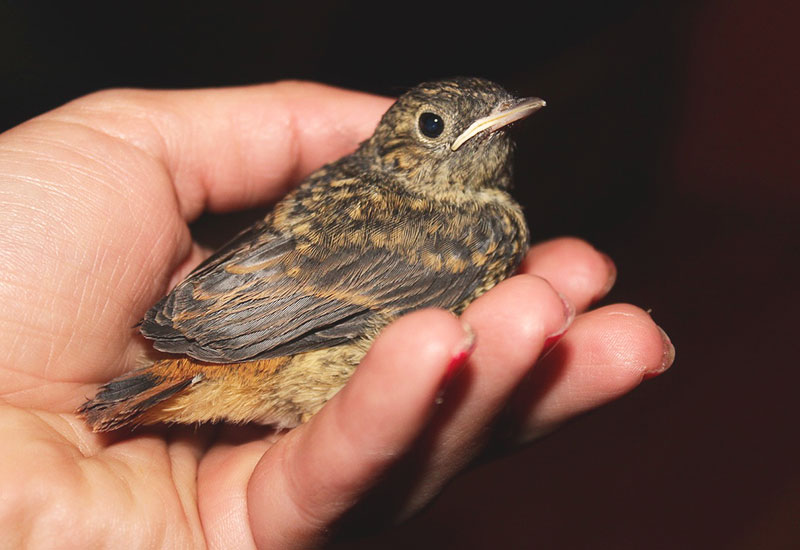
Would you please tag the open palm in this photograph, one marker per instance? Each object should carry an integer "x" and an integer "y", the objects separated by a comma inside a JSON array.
[{"x": 95, "y": 201}]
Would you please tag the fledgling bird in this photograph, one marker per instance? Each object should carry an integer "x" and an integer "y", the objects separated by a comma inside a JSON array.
[{"x": 273, "y": 324}]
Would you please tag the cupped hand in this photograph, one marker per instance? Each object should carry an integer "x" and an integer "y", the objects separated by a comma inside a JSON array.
[{"x": 95, "y": 202}]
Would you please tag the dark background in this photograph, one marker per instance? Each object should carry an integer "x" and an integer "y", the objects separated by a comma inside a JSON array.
[{"x": 670, "y": 141}]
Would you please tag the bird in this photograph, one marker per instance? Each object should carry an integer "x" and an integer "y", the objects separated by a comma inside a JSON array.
[{"x": 274, "y": 323}]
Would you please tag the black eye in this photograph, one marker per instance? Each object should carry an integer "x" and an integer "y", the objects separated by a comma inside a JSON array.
[{"x": 431, "y": 125}]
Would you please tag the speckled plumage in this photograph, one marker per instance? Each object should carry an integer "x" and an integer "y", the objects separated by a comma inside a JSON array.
[{"x": 274, "y": 323}]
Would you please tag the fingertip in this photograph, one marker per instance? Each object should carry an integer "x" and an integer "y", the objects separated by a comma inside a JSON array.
[
  {"x": 667, "y": 359},
  {"x": 629, "y": 340},
  {"x": 605, "y": 354},
  {"x": 515, "y": 319},
  {"x": 611, "y": 277},
  {"x": 574, "y": 267}
]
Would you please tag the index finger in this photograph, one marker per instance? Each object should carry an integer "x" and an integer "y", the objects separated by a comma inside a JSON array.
[{"x": 233, "y": 148}]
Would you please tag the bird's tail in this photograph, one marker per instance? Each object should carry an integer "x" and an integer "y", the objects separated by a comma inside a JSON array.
[{"x": 125, "y": 400}]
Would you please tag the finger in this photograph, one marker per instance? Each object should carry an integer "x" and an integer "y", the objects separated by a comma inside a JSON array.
[
  {"x": 319, "y": 470},
  {"x": 605, "y": 354},
  {"x": 232, "y": 148},
  {"x": 222, "y": 479},
  {"x": 574, "y": 268},
  {"x": 513, "y": 323}
]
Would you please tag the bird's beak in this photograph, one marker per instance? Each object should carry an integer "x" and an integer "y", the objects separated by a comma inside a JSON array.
[{"x": 502, "y": 115}]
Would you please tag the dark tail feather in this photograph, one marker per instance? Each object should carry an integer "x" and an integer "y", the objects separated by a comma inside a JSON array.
[{"x": 125, "y": 399}]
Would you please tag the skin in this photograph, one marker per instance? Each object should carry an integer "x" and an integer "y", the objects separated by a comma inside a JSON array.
[{"x": 95, "y": 198}]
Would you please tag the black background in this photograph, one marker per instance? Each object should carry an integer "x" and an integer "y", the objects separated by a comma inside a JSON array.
[{"x": 669, "y": 141}]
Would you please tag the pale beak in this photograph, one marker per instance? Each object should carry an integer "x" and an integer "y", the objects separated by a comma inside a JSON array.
[{"x": 503, "y": 115}]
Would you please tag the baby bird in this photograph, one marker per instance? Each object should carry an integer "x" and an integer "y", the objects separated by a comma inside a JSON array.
[{"x": 273, "y": 324}]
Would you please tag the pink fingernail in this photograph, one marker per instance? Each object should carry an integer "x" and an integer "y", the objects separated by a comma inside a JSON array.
[
  {"x": 569, "y": 316},
  {"x": 612, "y": 277},
  {"x": 458, "y": 360},
  {"x": 667, "y": 359}
]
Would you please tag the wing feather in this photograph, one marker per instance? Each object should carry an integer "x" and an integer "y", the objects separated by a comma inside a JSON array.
[{"x": 273, "y": 290}]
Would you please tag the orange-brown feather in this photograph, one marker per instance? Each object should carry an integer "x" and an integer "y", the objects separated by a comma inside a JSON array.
[{"x": 283, "y": 391}]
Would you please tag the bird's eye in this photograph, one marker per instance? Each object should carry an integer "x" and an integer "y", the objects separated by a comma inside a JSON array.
[{"x": 431, "y": 125}]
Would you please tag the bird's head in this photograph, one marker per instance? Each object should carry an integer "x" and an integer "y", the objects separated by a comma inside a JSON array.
[{"x": 450, "y": 132}]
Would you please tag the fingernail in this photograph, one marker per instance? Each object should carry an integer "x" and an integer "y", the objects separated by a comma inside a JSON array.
[
  {"x": 569, "y": 316},
  {"x": 612, "y": 277},
  {"x": 458, "y": 359},
  {"x": 666, "y": 360}
]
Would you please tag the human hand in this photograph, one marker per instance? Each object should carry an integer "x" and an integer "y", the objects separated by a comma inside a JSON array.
[{"x": 95, "y": 201}]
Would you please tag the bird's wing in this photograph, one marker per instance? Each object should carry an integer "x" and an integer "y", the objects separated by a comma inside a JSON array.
[{"x": 270, "y": 293}]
